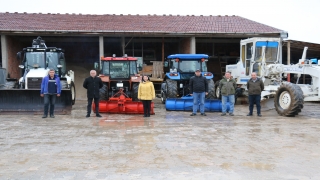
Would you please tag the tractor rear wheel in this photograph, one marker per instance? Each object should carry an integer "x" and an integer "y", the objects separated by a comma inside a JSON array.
[
  {"x": 289, "y": 100},
  {"x": 134, "y": 91},
  {"x": 104, "y": 92},
  {"x": 172, "y": 88},
  {"x": 211, "y": 89},
  {"x": 163, "y": 97},
  {"x": 217, "y": 90}
]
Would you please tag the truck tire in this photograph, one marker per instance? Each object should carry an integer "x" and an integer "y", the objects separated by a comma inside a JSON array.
[
  {"x": 104, "y": 92},
  {"x": 217, "y": 90},
  {"x": 288, "y": 100},
  {"x": 134, "y": 91},
  {"x": 172, "y": 88},
  {"x": 73, "y": 93},
  {"x": 211, "y": 89}
]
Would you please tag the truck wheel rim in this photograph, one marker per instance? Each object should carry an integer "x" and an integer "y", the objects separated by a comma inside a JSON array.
[{"x": 285, "y": 100}]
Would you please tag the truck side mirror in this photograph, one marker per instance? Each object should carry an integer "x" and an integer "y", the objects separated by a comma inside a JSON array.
[
  {"x": 166, "y": 64},
  {"x": 61, "y": 55},
  {"x": 19, "y": 56}
]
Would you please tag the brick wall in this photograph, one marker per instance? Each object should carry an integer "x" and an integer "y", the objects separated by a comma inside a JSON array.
[
  {"x": 185, "y": 46},
  {"x": 13, "y": 46}
]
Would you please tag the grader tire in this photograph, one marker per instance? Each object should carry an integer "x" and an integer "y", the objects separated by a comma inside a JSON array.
[
  {"x": 135, "y": 89},
  {"x": 172, "y": 88},
  {"x": 211, "y": 89},
  {"x": 289, "y": 100},
  {"x": 104, "y": 92}
]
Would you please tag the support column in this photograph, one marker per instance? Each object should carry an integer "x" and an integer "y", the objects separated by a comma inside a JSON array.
[
  {"x": 4, "y": 52},
  {"x": 123, "y": 45},
  {"x": 193, "y": 45},
  {"x": 101, "y": 47}
]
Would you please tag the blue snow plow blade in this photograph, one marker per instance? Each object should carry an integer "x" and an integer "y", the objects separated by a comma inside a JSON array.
[{"x": 186, "y": 104}]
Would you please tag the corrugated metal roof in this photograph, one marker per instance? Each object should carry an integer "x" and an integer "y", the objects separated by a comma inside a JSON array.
[{"x": 146, "y": 24}]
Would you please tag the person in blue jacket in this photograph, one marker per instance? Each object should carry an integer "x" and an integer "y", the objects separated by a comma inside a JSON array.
[{"x": 50, "y": 89}]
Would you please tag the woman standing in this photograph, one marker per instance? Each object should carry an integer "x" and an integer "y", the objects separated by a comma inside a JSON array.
[{"x": 146, "y": 93}]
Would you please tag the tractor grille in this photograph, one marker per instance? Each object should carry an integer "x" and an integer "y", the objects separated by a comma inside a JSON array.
[{"x": 34, "y": 82}]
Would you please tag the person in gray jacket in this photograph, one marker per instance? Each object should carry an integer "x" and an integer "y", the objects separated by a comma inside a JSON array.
[{"x": 254, "y": 86}]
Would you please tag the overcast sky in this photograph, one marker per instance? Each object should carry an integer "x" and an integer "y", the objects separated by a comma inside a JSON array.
[{"x": 300, "y": 18}]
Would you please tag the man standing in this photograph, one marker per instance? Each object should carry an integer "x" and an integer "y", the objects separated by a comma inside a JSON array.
[
  {"x": 93, "y": 84},
  {"x": 227, "y": 88},
  {"x": 255, "y": 86},
  {"x": 199, "y": 90},
  {"x": 50, "y": 89}
]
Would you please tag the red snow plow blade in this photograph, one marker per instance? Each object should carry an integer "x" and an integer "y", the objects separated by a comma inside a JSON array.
[{"x": 120, "y": 103}]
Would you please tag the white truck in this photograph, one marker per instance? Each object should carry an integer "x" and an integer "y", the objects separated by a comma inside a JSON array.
[{"x": 264, "y": 56}]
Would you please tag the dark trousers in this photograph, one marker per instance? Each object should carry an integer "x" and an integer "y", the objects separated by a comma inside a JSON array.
[
  {"x": 49, "y": 99},
  {"x": 96, "y": 102},
  {"x": 254, "y": 99},
  {"x": 146, "y": 107}
]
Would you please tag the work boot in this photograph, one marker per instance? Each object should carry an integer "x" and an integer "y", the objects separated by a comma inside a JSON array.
[
  {"x": 193, "y": 114},
  {"x": 259, "y": 115},
  {"x": 231, "y": 114},
  {"x": 249, "y": 114},
  {"x": 223, "y": 114},
  {"x": 52, "y": 116},
  {"x": 98, "y": 115},
  {"x": 88, "y": 115},
  {"x": 44, "y": 116},
  {"x": 203, "y": 114}
]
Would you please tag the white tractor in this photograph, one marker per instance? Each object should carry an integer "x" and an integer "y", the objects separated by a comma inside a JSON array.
[
  {"x": 23, "y": 95},
  {"x": 264, "y": 56}
]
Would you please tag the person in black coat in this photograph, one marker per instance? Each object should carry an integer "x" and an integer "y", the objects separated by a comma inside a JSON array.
[{"x": 93, "y": 84}]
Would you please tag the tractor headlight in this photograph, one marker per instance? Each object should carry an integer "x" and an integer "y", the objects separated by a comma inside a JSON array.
[{"x": 119, "y": 84}]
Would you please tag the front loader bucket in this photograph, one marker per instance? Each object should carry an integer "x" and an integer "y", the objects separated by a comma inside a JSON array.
[
  {"x": 128, "y": 107},
  {"x": 26, "y": 101},
  {"x": 186, "y": 104}
]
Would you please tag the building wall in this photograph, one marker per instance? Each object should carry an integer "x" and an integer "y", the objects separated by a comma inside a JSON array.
[{"x": 13, "y": 47}]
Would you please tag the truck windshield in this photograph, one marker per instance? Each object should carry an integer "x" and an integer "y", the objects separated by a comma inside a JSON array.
[
  {"x": 35, "y": 59},
  {"x": 119, "y": 69},
  {"x": 271, "y": 51},
  {"x": 189, "y": 66}
]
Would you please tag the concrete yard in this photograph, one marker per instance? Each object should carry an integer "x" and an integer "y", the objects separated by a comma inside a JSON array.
[{"x": 168, "y": 145}]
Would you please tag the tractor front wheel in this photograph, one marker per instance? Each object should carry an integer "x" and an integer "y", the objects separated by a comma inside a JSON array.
[
  {"x": 104, "y": 92},
  {"x": 211, "y": 89},
  {"x": 134, "y": 91},
  {"x": 217, "y": 90},
  {"x": 289, "y": 100}
]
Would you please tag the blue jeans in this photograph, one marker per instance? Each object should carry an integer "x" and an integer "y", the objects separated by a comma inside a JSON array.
[
  {"x": 49, "y": 99},
  {"x": 225, "y": 99},
  {"x": 254, "y": 99},
  {"x": 198, "y": 98}
]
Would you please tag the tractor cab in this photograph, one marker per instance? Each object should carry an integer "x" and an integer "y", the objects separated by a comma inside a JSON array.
[
  {"x": 36, "y": 61},
  {"x": 256, "y": 53},
  {"x": 119, "y": 73}
]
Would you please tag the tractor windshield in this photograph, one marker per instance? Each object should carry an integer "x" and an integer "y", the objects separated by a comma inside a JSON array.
[
  {"x": 119, "y": 69},
  {"x": 35, "y": 60},
  {"x": 52, "y": 61},
  {"x": 271, "y": 51},
  {"x": 188, "y": 66}
]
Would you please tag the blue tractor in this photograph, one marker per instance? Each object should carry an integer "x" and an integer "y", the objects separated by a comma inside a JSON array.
[{"x": 182, "y": 68}]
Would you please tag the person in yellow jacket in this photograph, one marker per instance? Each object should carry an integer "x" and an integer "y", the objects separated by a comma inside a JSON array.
[{"x": 146, "y": 93}]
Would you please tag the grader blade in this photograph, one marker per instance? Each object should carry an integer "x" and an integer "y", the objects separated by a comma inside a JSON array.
[
  {"x": 267, "y": 104},
  {"x": 26, "y": 101}
]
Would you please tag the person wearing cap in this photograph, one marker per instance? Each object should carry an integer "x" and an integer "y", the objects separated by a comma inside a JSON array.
[
  {"x": 198, "y": 89},
  {"x": 227, "y": 88}
]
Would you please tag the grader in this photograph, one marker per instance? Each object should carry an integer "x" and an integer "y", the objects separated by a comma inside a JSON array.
[{"x": 264, "y": 56}]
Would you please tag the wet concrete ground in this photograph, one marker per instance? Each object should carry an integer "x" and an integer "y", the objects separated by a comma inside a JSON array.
[{"x": 168, "y": 145}]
